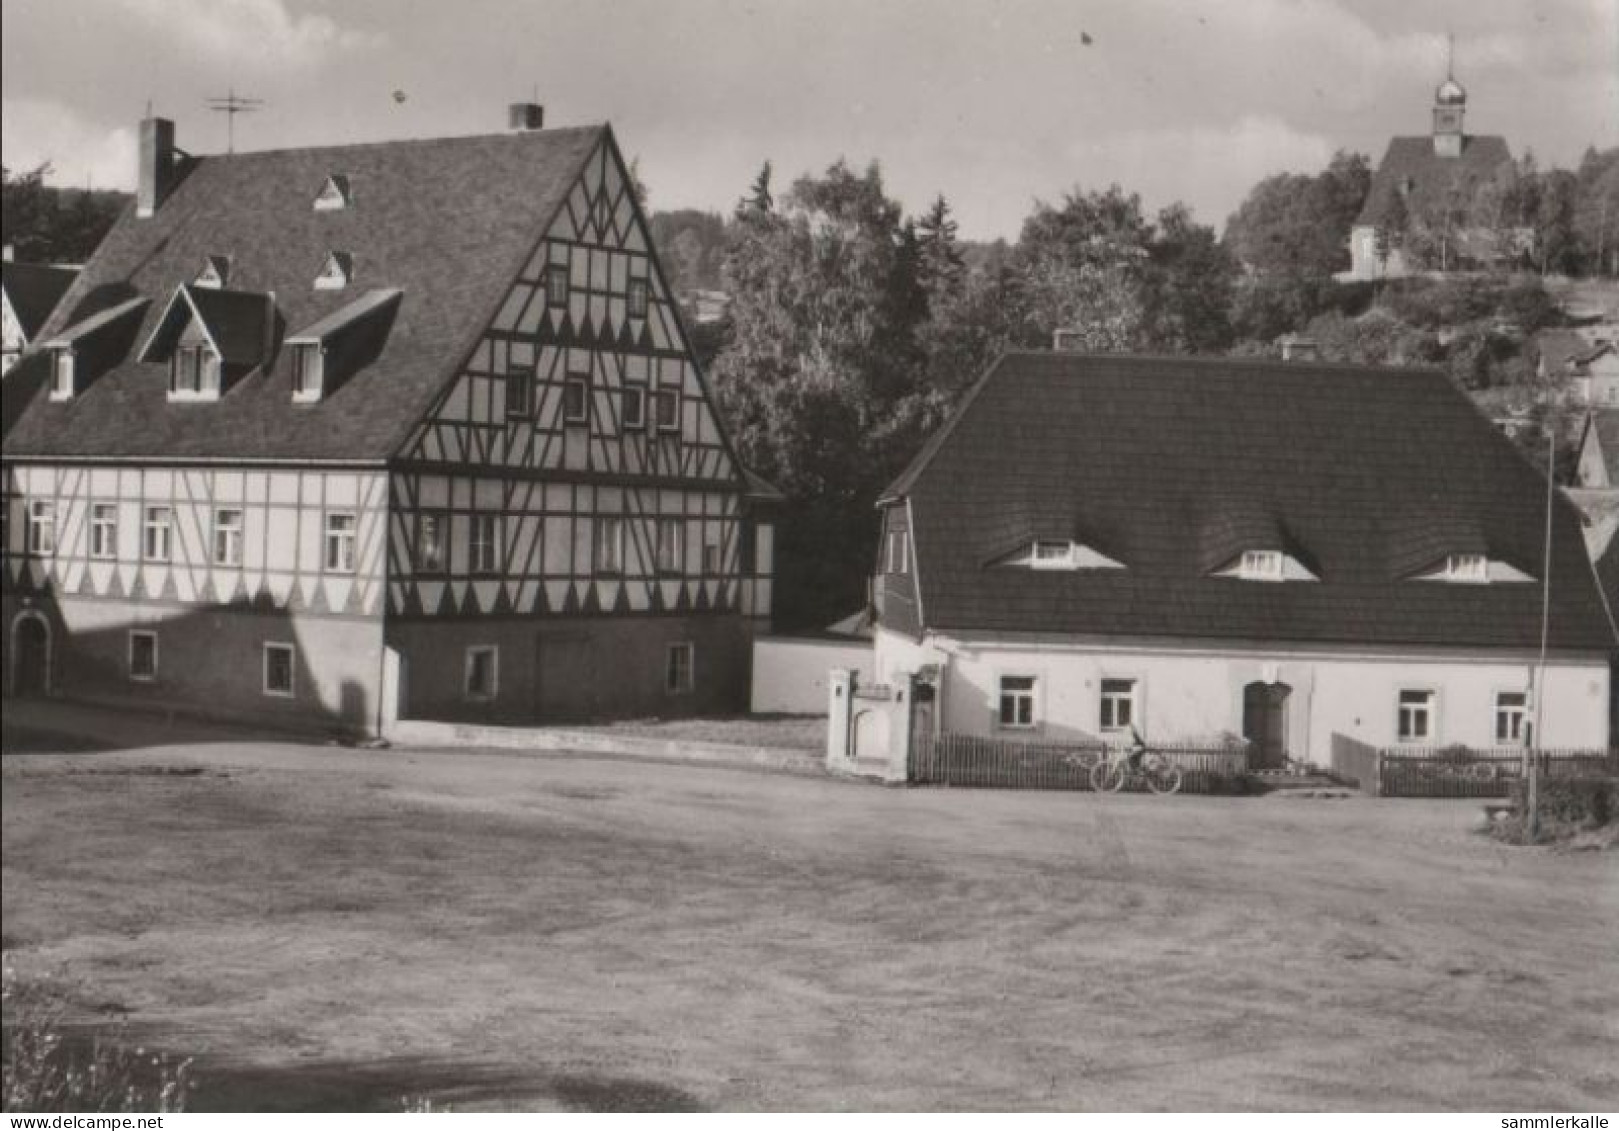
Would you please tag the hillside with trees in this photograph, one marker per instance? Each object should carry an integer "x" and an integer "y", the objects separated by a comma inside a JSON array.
[{"x": 45, "y": 224}]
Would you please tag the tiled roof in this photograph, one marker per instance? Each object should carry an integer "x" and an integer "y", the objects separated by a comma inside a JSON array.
[
  {"x": 448, "y": 222},
  {"x": 1365, "y": 474},
  {"x": 1562, "y": 351},
  {"x": 33, "y": 290},
  {"x": 1427, "y": 180}
]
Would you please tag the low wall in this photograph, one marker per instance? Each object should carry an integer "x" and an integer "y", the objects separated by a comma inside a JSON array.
[
  {"x": 1356, "y": 763},
  {"x": 790, "y": 672}
]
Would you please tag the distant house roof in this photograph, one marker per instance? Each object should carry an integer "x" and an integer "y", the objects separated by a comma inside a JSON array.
[
  {"x": 1366, "y": 475},
  {"x": 1602, "y": 428},
  {"x": 1426, "y": 180},
  {"x": 1562, "y": 352},
  {"x": 34, "y": 289},
  {"x": 447, "y": 222}
]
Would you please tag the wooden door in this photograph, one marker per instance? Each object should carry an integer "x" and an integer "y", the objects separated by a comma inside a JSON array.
[
  {"x": 31, "y": 657},
  {"x": 1264, "y": 723}
]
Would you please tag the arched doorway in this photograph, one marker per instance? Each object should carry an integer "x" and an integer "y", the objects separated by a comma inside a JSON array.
[
  {"x": 1264, "y": 723},
  {"x": 30, "y": 655}
]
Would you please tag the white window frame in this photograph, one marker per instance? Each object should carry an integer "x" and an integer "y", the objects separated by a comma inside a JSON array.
[
  {"x": 41, "y": 527},
  {"x": 614, "y": 544},
  {"x": 634, "y": 393},
  {"x": 713, "y": 559},
  {"x": 576, "y": 413},
  {"x": 1262, "y": 565},
  {"x": 291, "y": 690},
  {"x": 152, "y": 525},
  {"x": 104, "y": 531},
  {"x": 229, "y": 537},
  {"x": 680, "y": 677},
  {"x": 63, "y": 377},
  {"x": 660, "y": 398},
  {"x": 201, "y": 382},
  {"x": 556, "y": 297},
  {"x": 1471, "y": 569},
  {"x": 1051, "y": 554},
  {"x": 899, "y": 551},
  {"x": 469, "y": 667},
  {"x": 441, "y": 523},
  {"x": 670, "y": 546},
  {"x": 1429, "y": 713},
  {"x": 1108, "y": 700},
  {"x": 639, "y": 295},
  {"x": 308, "y": 372},
  {"x": 129, "y": 656},
  {"x": 485, "y": 544},
  {"x": 340, "y": 546},
  {"x": 1519, "y": 714},
  {"x": 1020, "y": 697}
]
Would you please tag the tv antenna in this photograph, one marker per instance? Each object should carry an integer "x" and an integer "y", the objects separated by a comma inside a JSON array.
[{"x": 230, "y": 106}]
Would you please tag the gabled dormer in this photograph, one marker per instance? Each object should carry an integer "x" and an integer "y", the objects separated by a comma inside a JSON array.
[
  {"x": 215, "y": 273},
  {"x": 336, "y": 273},
  {"x": 210, "y": 339},
  {"x": 90, "y": 347},
  {"x": 322, "y": 356},
  {"x": 335, "y": 194}
]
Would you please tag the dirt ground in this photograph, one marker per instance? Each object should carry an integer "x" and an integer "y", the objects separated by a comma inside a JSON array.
[{"x": 334, "y": 928}]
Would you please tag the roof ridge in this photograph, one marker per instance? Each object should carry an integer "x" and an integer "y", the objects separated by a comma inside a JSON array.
[
  {"x": 402, "y": 141},
  {"x": 1225, "y": 361}
]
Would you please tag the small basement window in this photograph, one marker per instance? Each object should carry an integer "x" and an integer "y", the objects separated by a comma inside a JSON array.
[
  {"x": 278, "y": 670},
  {"x": 480, "y": 681},
  {"x": 678, "y": 666},
  {"x": 142, "y": 655}
]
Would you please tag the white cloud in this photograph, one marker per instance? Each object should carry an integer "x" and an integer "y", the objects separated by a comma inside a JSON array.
[
  {"x": 36, "y": 131},
  {"x": 250, "y": 34}
]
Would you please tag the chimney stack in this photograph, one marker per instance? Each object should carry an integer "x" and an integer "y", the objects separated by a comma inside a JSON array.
[
  {"x": 523, "y": 116},
  {"x": 157, "y": 172}
]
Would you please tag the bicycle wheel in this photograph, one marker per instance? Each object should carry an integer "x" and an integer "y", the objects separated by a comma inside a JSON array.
[
  {"x": 1164, "y": 778},
  {"x": 1098, "y": 776},
  {"x": 1115, "y": 777}
]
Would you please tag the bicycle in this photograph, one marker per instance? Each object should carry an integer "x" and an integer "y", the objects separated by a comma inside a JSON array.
[{"x": 1118, "y": 769}]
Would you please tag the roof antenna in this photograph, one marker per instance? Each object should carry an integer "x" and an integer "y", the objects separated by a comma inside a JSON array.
[
  {"x": 1450, "y": 55},
  {"x": 230, "y": 105}
]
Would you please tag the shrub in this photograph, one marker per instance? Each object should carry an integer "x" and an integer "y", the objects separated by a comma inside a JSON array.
[
  {"x": 1567, "y": 807},
  {"x": 45, "y": 1071}
]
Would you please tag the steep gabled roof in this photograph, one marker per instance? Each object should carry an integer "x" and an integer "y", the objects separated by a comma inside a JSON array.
[
  {"x": 1427, "y": 181},
  {"x": 1365, "y": 475},
  {"x": 448, "y": 222},
  {"x": 34, "y": 289},
  {"x": 1601, "y": 427}
]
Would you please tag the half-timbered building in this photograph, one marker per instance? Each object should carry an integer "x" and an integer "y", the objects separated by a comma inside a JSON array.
[{"x": 404, "y": 429}]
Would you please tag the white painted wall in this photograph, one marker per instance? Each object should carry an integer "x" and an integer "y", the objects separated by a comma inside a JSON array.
[
  {"x": 1195, "y": 694},
  {"x": 790, "y": 673}
]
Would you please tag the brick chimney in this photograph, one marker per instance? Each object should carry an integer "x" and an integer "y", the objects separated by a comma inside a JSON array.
[
  {"x": 157, "y": 171},
  {"x": 522, "y": 116}
]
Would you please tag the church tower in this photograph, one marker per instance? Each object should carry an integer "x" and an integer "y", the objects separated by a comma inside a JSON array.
[{"x": 1449, "y": 106}]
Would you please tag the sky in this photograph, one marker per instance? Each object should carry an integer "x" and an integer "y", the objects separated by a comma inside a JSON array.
[{"x": 994, "y": 103}]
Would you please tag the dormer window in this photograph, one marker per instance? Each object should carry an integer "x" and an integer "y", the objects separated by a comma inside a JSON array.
[
  {"x": 336, "y": 273},
  {"x": 193, "y": 373},
  {"x": 334, "y": 195},
  {"x": 306, "y": 373},
  {"x": 1261, "y": 565},
  {"x": 1472, "y": 568},
  {"x": 1467, "y": 567},
  {"x": 215, "y": 273},
  {"x": 61, "y": 374},
  {"x": 1058, "y": 554}
]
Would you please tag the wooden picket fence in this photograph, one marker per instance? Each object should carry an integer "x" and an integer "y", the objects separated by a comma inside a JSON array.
[
  {"x": 1490, "y": 772},
  {"x": 968, "y": 760}
]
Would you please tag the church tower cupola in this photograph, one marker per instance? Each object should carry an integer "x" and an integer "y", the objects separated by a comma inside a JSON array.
[{"x": 1449, "y": 106}]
